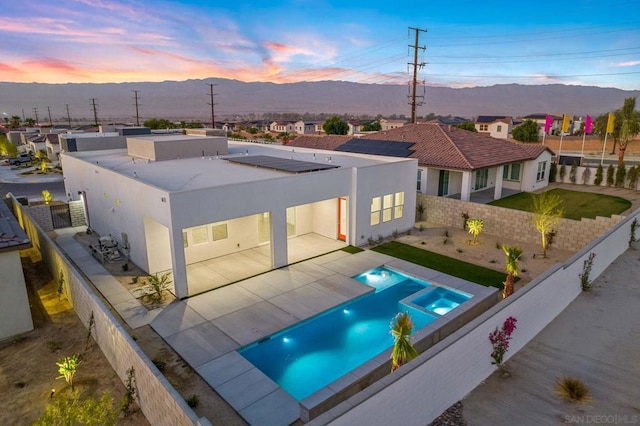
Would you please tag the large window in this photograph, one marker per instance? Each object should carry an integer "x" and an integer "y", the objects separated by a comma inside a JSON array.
[
  {"x": 219, "y": 231},
  {"x": 376, "y": 206},
  {"x": 387, "y": 204},
  {"x": 390, "y": 206},
  {"x": 511, "y": 172},
  {"x": 542, "y": 168},
  {"x": 199, "y": 235},
  {"x": 419, "y": 186},
  {"x": 484, "y": 127},
  {"x": 399, "y": 205},
  {"x": 498, "y": 128},
  {"x": 482, "y": 176}
]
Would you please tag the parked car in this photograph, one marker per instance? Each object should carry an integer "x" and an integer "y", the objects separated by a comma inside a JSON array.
[{"x": 20, "y": 159}]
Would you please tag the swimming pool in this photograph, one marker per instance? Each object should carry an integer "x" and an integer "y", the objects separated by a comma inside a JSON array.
[{"x": 308, "y": 356}]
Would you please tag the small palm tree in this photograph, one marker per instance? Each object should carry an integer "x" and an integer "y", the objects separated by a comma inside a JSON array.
[
  {"x": 46, "y": 196},
  {"x": 68, "y": 366},
  {"x": 403, "y": 350},
  {"x": 475, "y": 228},
  {"x": 158, "y": 284},
  {"x": 513, "y": 254}
]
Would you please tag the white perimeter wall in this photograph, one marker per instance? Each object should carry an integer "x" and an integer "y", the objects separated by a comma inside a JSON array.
[
  {"x": 15, "y": 313},
  {"x": 421, "y": 390},
  {"x": 158, "y": 400}
]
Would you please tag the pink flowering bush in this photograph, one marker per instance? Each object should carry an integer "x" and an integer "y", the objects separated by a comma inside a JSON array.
[{"x": 499, "y": 339}]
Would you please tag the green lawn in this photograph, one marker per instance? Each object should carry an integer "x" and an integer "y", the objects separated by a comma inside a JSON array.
[
  {"x": 457, "y": 268},
  {"x": 576, "y": 204}
]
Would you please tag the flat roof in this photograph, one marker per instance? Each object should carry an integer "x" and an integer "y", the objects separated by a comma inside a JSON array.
[{"x": 187, "y": 174}]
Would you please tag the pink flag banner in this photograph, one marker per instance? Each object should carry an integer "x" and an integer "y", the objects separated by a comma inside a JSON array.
[
  {"x": 588, "y": 124},
  {"x": 548, "y": 121}
]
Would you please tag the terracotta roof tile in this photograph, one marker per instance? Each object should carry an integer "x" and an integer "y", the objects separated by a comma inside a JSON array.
[
  {"x": 442, "y": 146},
  {"x": 329, "y": 142}
]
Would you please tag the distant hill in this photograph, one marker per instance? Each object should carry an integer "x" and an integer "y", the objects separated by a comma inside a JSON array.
[{"x": 188, "y": 99}]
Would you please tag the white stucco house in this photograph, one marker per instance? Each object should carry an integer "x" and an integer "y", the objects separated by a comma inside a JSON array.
[
  {"x": 498, "y": 127},
  {"x": 453, "y": 162},
  {"x": 185, "y": 200},
  {"x": 15, "y": 312}
]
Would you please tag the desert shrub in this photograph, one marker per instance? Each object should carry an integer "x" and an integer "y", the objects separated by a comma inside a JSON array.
[
  {"x": 610, "y": 175},
  {"x": 562, "y": 172},
  {"x": 599, "y": 173},
  {"x": 573, "y": 172},
  {"x": 572, "y": 389},
  {"x": 621, "y": 174}
]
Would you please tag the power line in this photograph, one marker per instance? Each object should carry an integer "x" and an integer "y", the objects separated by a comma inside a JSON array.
[
  {"x": 416, "y": 65},
  {"x": 535, "y": 76},
  {"x": 135, "y": 94},
  {"x": 532, "y": 60},
  {"x": 534, "y": 55},
  {"x": 213, "y": 116}
]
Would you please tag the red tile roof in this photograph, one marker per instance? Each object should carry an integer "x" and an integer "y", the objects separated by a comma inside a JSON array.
[
  {"x": 443, "y": 146},
  {"x": 329, "y": 142}
]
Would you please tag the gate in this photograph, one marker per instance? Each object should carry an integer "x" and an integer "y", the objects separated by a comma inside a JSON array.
[{"x": 60, "y": 216}]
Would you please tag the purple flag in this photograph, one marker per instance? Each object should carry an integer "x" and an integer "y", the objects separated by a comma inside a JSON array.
[
  {"x": 588, "y": 124},
  {"x": 548, "y": 121}
]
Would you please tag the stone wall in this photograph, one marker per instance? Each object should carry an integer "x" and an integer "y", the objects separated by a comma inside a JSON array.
[
  {"x": 158, "y": 400},
  {"x": 42, "y": 215},
  {"x": 571, "y": 234},
  {"x": 76, "y": 210}
]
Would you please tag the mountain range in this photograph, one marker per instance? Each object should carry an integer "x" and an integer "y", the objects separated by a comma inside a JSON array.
[{"x": 190, "y": 99}]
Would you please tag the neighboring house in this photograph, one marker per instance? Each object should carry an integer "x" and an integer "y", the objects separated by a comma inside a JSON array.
[
  {"x": 15, "y": 312},
  {"x": 283, "y": 127},
  {"x": 455, "y": 162},
  {"x": 36, "y": 143},
  {"x": 355, "y": 126},
  {"x": 450, "y": 121},
  {"x": 541, "y": 119},
  {"x": 52, "y": 145},
  {"x": 79, "y": 141},
  {"x": 498, "y": 127},
  {"x": 179, "y": 208},
  {"x": 304, "y": 127},
  {"x": 391, "y": 124}
]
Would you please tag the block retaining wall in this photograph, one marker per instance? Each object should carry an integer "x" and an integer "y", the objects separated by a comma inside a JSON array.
[{"x": 571, "y": 234}]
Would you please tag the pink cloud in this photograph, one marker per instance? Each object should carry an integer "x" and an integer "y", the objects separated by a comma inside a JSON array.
[{"x": 52, "y": 64}]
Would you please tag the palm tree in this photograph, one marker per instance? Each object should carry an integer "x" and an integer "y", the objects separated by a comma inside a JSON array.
[
  {"x": 68, "y": 366},
  {"x": 629, "y": 128},
  {"x": 403, "y": 350},
  {"x": 513, "y": 254},
  {"x": 475, "y": 228}
]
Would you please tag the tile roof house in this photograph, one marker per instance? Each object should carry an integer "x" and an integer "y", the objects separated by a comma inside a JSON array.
[
  {"x": 452, "y": 161},
  {"x": 15, "y": 313},
  {"x": 497, "y": 126}
]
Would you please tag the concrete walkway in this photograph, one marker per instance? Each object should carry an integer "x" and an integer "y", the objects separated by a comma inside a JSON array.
[{"x": 596, "y": 339}]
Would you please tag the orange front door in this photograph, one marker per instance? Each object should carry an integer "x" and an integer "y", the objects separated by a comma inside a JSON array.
[{"x": 342, "y": 219}]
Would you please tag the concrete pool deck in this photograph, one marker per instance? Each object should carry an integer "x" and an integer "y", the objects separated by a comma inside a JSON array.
[{"x": 207, "y": 329}]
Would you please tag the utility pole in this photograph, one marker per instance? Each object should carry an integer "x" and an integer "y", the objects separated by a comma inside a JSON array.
[
  {"x": 68, "y": 115},
  {"x": 213, "y": 116},
  {"x": 50, "y": 120},
  {"x": 23, "y": 117},
  {"x": 135, "y": 94},
  {"x": 416, "y": 65},
  {"x": 35, "y": 112},
  {"x": 95, "y": 110}
]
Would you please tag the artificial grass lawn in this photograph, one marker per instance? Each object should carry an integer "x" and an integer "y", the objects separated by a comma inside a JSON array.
[
  {"x": 575, "y": 204},
  {"x": 352, "y": 249},
  {"x": 457, "y": 268}
]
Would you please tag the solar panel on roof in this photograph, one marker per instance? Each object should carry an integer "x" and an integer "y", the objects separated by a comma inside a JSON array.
[
  {"x": 282, "y": 164},
  {"x": 377, "y": 147}
]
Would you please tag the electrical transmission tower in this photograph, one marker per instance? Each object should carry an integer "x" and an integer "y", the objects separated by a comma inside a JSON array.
[
  {"x": 35, "y": 112},
  {"x": 50, "y": 121},
  {"x": 213, "y": 116},
  {"x": 416, "y": 66},
  {"x": 95, "y": 110},
  {"x": 68, "y": 115},
  {"x": 135, "y": 94}
]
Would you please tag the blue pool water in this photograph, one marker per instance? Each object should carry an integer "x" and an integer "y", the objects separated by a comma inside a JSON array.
[
  {"x": 440, "y": 300},
  {"x": 310, "y": 355}
]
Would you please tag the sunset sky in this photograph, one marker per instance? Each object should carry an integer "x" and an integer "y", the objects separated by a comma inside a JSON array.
[{"x": 468, "y": 43}]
